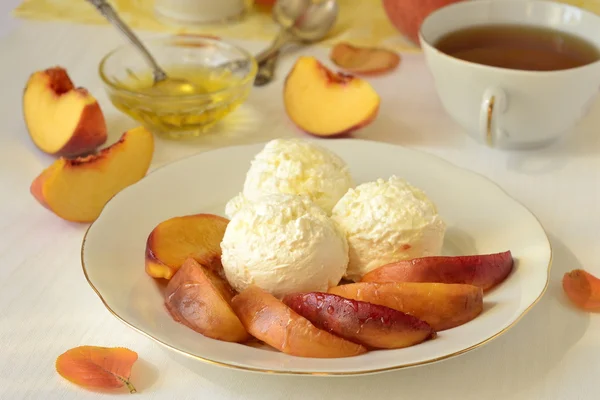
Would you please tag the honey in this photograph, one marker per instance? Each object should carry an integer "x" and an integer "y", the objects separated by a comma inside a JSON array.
[{"x": 181, "y": 112}]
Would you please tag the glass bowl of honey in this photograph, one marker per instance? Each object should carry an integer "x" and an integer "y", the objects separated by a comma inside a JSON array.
[{"x": 220, "y": 74}]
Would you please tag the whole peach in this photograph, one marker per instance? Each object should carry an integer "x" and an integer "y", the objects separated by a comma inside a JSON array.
[{"x": 407, "y": 15}]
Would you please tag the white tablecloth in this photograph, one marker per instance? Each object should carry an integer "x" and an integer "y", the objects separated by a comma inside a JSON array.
[{"x": 46, "y": 306}]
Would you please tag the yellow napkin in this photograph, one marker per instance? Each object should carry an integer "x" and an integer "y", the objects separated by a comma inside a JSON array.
[
  {"x": 363, "y": 22},
  {"x": 590, "y": 5}
]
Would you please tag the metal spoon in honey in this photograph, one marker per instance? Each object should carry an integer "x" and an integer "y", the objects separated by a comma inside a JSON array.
[{"x": 162, "y": 83}]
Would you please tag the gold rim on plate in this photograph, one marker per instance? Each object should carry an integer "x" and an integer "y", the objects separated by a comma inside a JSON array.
[{"x": 365, "y": 372}]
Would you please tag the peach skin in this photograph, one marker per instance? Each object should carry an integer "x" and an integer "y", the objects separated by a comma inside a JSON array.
[
  {"x": 408, "y": 15},
  {"x": 485, "y": 271}
]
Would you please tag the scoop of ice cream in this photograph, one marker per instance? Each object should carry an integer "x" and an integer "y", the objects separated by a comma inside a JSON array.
[
  {"x": 295, "y": 166},
  {"x": 387, "y": 221},
  {"x": 284, "y": 244}
]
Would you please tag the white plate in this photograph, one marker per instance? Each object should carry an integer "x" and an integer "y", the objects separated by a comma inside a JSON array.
[{"x": 481, "y": 219}]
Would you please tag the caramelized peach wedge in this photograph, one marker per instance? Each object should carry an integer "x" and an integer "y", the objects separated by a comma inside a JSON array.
[
  {"x": 270, "y": 320},
  {"x": 484, "y": 271},
  {"x": 371, "y": 325},
  {"x": 199, "y": 299},
  {"x": 443, "y": 306},
  {"x": 174, "y": 240}
]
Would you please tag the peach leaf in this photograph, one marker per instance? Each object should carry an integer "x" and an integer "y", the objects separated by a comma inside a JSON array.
[
  {"x": 97, "y": 367},
  {"x": 583, "y": 289}
]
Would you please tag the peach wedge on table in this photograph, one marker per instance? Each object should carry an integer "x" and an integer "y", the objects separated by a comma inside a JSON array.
[
  {"x": 268, "y": 319},
  {"x": 485, "y": 271},
  {"x": 324, "y": 103},
  {"x": 371, "y": 325},
  {"x": 78, "y": 189},
  {"x": 443, "y": 306},
  {"x": 199, "y": 299},
  {"x": 62, "y": 119},
  {"x": 172, "y": 241},
  {"x": 363, "y": 60}
]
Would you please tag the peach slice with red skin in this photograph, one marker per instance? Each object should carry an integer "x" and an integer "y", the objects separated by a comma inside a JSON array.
[
  {"x": 271, "y": 321},
  {"x": 443, "y": 306},
  {"x": 78, "y": 189},
  {"x": 485, "y": 271},
  {"x": 324, "y": 103},
  {"x": 364, "y": 60},
  {"x": 368, "y": 324},
  {"x": 199, "y": 299},
  {"x": 172, "y": 241},
  {"x": 60, "y": 118},
  {"x": 583, "y": 289}
]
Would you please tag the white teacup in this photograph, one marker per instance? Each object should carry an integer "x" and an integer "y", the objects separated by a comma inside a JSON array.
[{"x": 506, "y": 107}]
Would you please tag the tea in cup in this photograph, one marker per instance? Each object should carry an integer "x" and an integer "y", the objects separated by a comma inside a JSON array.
[{"x": 514, "y": 73}]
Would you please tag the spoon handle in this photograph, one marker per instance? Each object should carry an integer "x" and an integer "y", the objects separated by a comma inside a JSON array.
[
  {"x": 281, "y": 40},
  {"x": 266, "y": 70},
  {"x": 111, "y": 15}
]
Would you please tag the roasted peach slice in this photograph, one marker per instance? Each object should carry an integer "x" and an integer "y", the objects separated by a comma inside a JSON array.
[
  {"x": 78, "y": 189},
  {"x": 62, "y": 119},
  {"x": 485, "y": 271},
  {"x": 324, "y": 103},
  {"x": 174, "y": 240},
  {"x": 199, "y": 299},
  {"x": 369, "y": 324},
  {"x": 271, "y": 321},
  {"x": 443, "y": 306},
  {"x": 583, "y": 289}
]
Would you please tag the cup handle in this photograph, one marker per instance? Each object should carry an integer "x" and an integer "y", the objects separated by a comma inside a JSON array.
[{"x": 492, "y": 105}]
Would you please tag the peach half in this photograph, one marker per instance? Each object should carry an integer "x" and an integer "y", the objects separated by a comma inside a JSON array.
[
  {"x": 61, "y": 119},
  {"x": 324, "y": 103},
  {"x": 77, "y": 189}
]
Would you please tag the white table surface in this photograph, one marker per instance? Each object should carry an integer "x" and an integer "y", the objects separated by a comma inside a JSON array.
[{"x": 47, "y": 307}]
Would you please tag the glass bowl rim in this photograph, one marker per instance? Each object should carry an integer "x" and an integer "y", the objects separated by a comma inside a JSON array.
[{"x": 170, "y": 41}]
